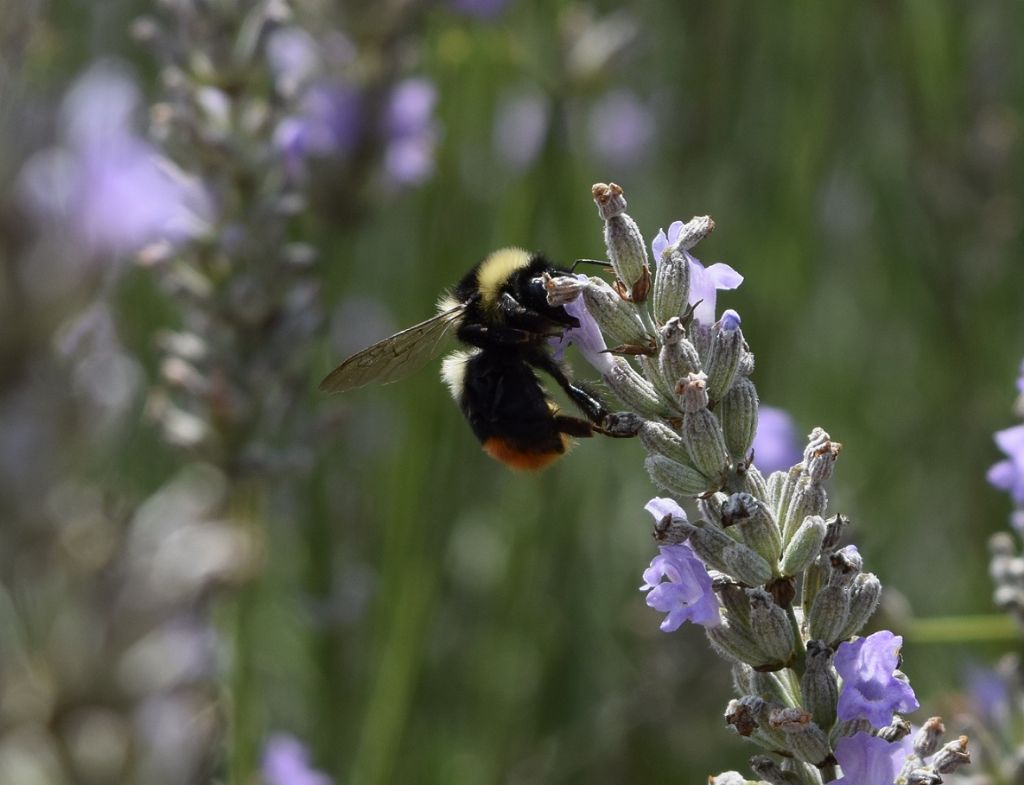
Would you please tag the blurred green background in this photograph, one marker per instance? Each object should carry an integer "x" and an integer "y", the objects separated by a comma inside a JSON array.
[{"x": 426, "y": 616}]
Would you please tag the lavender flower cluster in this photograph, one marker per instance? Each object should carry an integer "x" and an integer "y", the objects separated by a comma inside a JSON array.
[
  {"x": 760, "y": 565},
  {"x": 1007, "y": 564}
]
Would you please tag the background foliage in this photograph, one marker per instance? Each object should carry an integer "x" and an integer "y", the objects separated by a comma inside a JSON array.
[{"x": 422, "y": 615}]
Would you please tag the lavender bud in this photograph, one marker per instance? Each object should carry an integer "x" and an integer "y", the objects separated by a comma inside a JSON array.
[
  {"x": 819, "y": 684},
  {"x": 701, "y": 433},
  {"x": 774, "y": 633},
  {"x": 618, "y": 320},
  {"x": 734, "y": 599},
  {"x": 674, "y": 477},
  {"x": 754, "y": 483},
  {"x": 808, "y": 499},
  {"x": 898, "y": 729},
  {"x": 769, "y": 770},
  {"x": 738, "y": 413},
  {"x": 927, "y": 739},
  {"x": 671, "y": 285},
  {"x": 634, "y": 391},
  {"x": 817, "y": 439},
  {"x": 627, "y": 250},
  {"x": 821, "y": 463},
  {"x": 735, "y": 643},
  {"x": 815, "y": 577},
  {"x": 651, "y": 369},
  {"x": 774, "y": 685},
  {"x": 693, "y": 231},
  {"x": 724, "y": 359},
  {"x": 864, "y": 598},
  {"x": 700, "y": 337},
  {"x": 710, "y": 507},
  {"x": 804, "y": 546},
  {"x": 923, "y": 776},
  {"x": 743, "y": 714},
  {"x": 562, "y": 289},
  {"x": 781, "y": 486},
  {"x": 834, "y": 532},
  {"x": 729, "y": 778},
  {"x": 806, "y": 740},
  {"x": 756, "y": 524},
  {"x": 952, "y": 756},
  {"x": 722, "y": 552},
  {"x": 829, "y": 613},
  {"x": 656, "y": 437},
  {"x": 677, "y": 358}
]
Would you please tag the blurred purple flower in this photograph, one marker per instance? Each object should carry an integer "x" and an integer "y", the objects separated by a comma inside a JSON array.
[
  {"x": 587, "y": 337},
  {"x": 870, "y": 689},
  {"x": 411, "y": 131},
  {"x": 482, "y": 9},
  {"x": 869, "y": 760},
  {"x": 286, "y": 762},
  {"x": 1020, "y": 380},
  {"x": 686, "y": 595},
  {"x": 1008, "y": 475},
  {"x": 775, "y": 443},
  {"x": 293, "y": 57},
  {"x": 520, "y": 124},
  {"x": 704, "y": 281},
  {"x": 328, "y": 123},
  {"x": 621, "y": 128},
  {"x": 104, "y": 183},
  {"x": 989, "y": 694}
]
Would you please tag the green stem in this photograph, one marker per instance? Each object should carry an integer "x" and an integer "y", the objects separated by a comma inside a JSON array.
[
  {"x": 245, "y": 726},
  {"x": 962, "y": 629}
]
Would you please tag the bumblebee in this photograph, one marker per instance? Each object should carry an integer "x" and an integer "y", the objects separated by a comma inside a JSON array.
[{"x": 499, "y": 310}]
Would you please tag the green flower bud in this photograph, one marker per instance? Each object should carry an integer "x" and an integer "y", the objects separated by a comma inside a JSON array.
[
  {"x": 755, "y": 523},
  {"x": 774, "y": 632},
  {"x": 671, "y": 285},
  {"x": 674, "y": 477},
  {"x": 819, "y": 684},
  {"x": 701, "y": 433},
  {"x": 627, "y": 250},
  {"x": 651, "y": 370},
  {"x": 808, "y": 498},
  {"x": 737, "y": 412},
  {"x": 677, "y": 358},
  {"x": 727, "y": 346},
  {"x": 829, "y": 614},
  {"x": 618, "y": 320},
  {"x": 658, "y": 438},
  {"x": 734, "y": 643},
  {"x": 733, "y": 598},
  {"x": 864, "y": 598},
  {"x": 804, "y": 546},
  {"x": 719, "y": 550},
  {"x": 634, "y": 391},
  {"x": 805, "y": 739}
]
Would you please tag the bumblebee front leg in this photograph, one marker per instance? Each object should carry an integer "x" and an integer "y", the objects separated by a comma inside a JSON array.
[{"x": 587, "y": 403}]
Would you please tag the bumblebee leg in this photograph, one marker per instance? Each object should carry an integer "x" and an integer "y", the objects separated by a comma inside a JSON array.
[
  {"x": 574, "y": 426},
  {"x": 535, "y": 321},
  {"x": 588, "y": 404}
]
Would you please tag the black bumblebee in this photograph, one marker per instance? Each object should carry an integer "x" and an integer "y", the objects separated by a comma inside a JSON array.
[{"x": 500, "y": 310}]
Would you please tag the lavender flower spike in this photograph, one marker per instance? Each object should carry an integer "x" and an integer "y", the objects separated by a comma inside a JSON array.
[
  {"x": 871, "y": 690},
  {"x": 1008, "y": 475},
  {"x": 704, "y": 281},
  {"x": 686, "y": 595}
]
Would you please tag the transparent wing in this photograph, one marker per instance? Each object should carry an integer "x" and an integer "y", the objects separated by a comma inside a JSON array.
[{"x": 396, "y": 357}]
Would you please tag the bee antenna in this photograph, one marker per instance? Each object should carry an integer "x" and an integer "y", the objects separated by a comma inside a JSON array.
[{"x": 598, "y": 262}]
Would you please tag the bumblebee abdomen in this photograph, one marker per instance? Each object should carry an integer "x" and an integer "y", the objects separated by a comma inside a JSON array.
[{"x": 525, "y": 456}]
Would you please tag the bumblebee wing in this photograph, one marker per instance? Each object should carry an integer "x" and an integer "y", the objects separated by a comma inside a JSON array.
[{"x": 396, "y": 357}]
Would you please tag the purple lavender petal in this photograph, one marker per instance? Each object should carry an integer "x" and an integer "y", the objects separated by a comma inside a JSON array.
[
  {"x": 989, "y": 694},
  {"x": 410, "y": 107},
  {"x": 686, "y": 593},
  {"x": 869, "y": 760},
  {"x": 870, "y": 690},
  {"x": 660, "y": 506},
  {"x": 286, "y": 762},
  {"x": 775, "y": 443},
  {"x": 663, "y": 241},
  {"x": 1008, "y": 475},
  {"x": 587, "y": 337},
  {"x": 1020, "y": 380}
]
